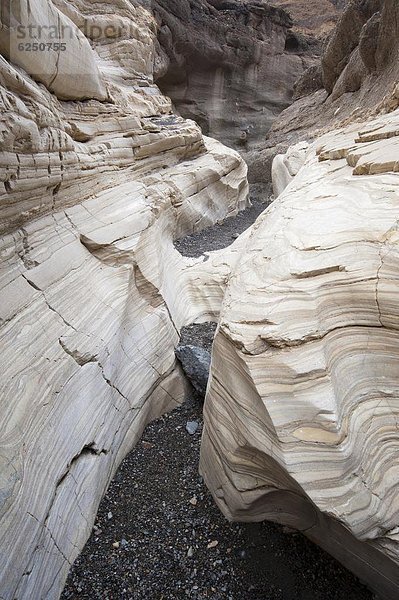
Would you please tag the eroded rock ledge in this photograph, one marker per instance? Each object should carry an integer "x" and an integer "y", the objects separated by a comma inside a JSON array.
[
  {"x": 97, "y": 180},
  {"x": 301, "y": 414}
]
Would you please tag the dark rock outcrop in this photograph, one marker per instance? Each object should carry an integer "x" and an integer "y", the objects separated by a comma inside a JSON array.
[
  {"x": 196, "y": 362},
  {"x": 229, "y": 65},
  {"x": 309, "y": 82},
  {"x": 361, "y": 54},
  {"x": 345, "y": 40},
  {"x": 314, "y": 17},
  {"x": 368, "y": 42},
  {"x": 359, "y": 70}
]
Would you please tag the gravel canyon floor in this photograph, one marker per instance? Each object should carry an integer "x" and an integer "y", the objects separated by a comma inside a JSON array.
[{"x": 158, "y": 533}]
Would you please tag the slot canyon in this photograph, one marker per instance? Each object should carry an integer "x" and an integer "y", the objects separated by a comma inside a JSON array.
[{"x": 199, "y": 208}]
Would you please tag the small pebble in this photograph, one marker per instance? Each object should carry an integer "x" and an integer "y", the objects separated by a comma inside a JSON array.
[
  {"x": 192, "y": 427},
  {"x": 147, "y": 445}
]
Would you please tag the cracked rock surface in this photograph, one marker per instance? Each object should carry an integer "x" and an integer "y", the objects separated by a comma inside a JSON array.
[
  {"x": 158, "y": 534},
  {"x": 301, "y": 413},
  {"x": 97, "y": 179}
]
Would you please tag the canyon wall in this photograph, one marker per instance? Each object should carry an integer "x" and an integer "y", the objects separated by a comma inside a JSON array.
[
  {"x": 301, "y": 412},
  {"x": 354, "y": 80},
  {"x": 313, "y": 17},
  {"x": 229, "y": 65},
  {"x": 98, "y": 177}
]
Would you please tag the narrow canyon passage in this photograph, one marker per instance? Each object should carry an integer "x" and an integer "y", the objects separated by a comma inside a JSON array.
[
  {"x": 158, "y": 533},
  {"x": 115, "y": 240}
]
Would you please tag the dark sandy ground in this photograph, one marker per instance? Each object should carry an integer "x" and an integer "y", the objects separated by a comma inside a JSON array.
[
  {"x": 222, "y": 234},
  {"x": 159, "y": 535}
]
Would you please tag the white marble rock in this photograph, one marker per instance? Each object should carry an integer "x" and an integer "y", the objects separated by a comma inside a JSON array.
[
  {"x": 302, "y": 408},
  {"x": 97, "y": 178}
]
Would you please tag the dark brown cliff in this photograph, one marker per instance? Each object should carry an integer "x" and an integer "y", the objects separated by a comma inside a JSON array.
[{"x": 229, "y": 65}]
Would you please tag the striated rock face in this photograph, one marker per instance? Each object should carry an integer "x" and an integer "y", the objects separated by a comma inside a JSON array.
[
  {"x": 229, "y": 65},
  {"x": 97, "y": 179},
  {"x": 301, "y": 414},
  {"x": 356, "y": 79}
]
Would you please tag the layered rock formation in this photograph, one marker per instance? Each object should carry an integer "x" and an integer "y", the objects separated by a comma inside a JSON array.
[
  {"x": 230, "y": 66},
  {"x": 301, "y": 414},
  {"x": 97, "y": 179},
  {"x": 355, "y": 79}
]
